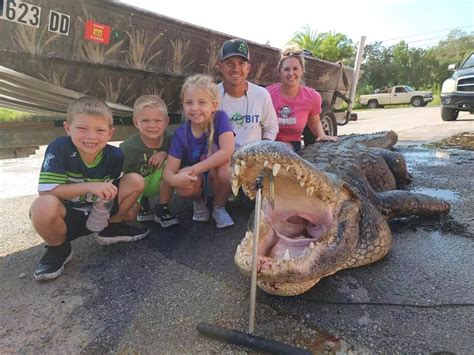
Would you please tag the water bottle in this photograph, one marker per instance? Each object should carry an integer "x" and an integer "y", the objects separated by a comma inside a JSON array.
[{"x": 99, "y": 215}]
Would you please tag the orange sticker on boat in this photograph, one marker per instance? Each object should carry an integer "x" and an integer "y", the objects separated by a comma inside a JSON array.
[{"x": 97, "y": 32}]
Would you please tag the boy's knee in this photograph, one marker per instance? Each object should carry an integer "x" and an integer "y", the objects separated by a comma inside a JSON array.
[
  {"x": 133, "y": 182},
  {"x": 47, "y": 206}
]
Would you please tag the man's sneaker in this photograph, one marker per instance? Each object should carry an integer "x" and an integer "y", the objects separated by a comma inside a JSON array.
[
  {"x": 51, "y": 265},
  {"x": 121, "y": 232},
  {"x": 145, "y": 214},
  {"x": 201, "y": 213},
  {"x": 164, "y": 216},
  {"x": 221, "y": 217}
]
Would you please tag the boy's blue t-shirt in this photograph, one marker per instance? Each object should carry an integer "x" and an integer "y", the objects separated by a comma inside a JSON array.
[
  {"x": 62, "y": 164},
  {"x": 191, "y": 150}
]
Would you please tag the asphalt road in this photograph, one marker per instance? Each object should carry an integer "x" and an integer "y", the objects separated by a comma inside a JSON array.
[
  {"x": 148, "y": 297},
  {"x": 411, "y": 123}
]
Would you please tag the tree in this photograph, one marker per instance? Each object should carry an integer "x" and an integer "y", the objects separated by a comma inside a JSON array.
[
  {"x": 378, "y": 71},
  {"x": 306, "y": 39},
  {"x": 328, "y": 46},
  {"x": 395, "y": 65}
]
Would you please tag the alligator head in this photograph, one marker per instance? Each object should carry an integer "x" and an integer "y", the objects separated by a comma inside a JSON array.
[{"x": 309, "y": 220}]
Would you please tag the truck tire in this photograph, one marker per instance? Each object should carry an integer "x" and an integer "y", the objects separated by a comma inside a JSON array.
[
  {"x": 373, "y": 104},
  {"x": 449, "y": 114},
  {"x": 329, "y": 123},
  {"x": 417, "y": 101}
]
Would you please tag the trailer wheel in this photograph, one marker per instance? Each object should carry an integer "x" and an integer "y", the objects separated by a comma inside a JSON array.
[
  {"x": 328, "y": 120},
  {"x": 329, "y": 123}
]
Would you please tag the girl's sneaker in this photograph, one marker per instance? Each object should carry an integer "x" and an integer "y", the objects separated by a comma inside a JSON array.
[
  {"x": 221, "y": 217},
  {"x": 201, "y": 213}
]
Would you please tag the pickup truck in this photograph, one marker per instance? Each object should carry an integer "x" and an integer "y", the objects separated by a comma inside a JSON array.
[
  {"x": 457, "y": 92},
  {"x": 401, "y": 94}
]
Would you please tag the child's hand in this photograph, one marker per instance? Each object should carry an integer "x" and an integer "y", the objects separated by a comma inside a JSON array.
[
  {"x": 157, "y": 159},
  {"x": 104, "y": 190},
  {"x": 184, "y": 179},
  {"x": 188, "y": 170}
]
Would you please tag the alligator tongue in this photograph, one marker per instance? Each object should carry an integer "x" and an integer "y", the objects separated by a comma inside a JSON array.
[{"x": 294, "y": 233}]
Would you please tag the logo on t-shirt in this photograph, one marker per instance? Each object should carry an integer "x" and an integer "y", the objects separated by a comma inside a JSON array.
[
  {"x": 286, "y": 116},
  {"x": 47, "y": 159},
  {"x": 145, "y": 168},
  {"x": 237, "y": 119}
]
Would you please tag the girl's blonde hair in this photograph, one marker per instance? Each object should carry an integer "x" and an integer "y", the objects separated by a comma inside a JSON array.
[
  {"x": 291, "y": 51},
  {"x": 208, "y": 86}
]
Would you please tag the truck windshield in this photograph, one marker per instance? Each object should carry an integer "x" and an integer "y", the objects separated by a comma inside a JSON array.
[{"x": 468, "y": 63}]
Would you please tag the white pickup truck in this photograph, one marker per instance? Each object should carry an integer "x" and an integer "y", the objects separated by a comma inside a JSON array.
[{"x": 401, "y": 94}]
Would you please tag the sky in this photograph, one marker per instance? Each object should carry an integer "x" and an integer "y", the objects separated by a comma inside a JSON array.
[{"x": 421, "y": 23}]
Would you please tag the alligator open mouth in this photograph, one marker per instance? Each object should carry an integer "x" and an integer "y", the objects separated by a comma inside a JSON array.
[{"x": 306, "y": 218}]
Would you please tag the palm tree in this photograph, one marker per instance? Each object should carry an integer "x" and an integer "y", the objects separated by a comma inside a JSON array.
[
  {"x": 306, "y": 39},
  {"x": 330, "y": 46}
]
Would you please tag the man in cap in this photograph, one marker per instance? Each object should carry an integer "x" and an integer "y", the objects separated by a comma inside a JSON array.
[{"x": 249, "y": 106}]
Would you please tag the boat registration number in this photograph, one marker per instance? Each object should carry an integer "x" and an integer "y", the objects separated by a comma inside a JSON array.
[{"x": 20, "y": 12}]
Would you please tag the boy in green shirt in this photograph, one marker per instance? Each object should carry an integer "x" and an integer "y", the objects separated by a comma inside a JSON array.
[{"x": 146, "y": 153}]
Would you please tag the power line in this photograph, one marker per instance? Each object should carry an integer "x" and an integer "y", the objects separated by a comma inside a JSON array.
[
  {"x": 425, "y": 33},
  {"x": 426, "y": 39}
]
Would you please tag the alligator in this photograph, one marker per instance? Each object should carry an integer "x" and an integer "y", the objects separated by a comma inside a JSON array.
[{"x": 324, "y": 210}]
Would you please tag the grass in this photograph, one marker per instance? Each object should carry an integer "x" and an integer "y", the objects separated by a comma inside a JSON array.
[
  {"x": 7, "y": 115},
  {"x": 14, "y": 116}
]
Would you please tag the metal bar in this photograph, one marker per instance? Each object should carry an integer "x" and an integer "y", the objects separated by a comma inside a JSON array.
[
  {"x": 250, "y": 341},
  {"x": 355, "y": 74},
  {"x": 256, "y": 231}
]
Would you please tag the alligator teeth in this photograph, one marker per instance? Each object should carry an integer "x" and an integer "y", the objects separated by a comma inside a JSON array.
[
  {"x": 237, "y": 169},
  {"x": 235, "y": 190},
  {"x": 302, "y": 183},
  {"x": 311, "y": 246},
  {"x": 238, "y": 249},
  {"x": 242, "y": 163},
  {"x": 265, "y": 163},
  {"x": 310, "y": 190},
  {"x": 287, "y": 255},
  {"x": 287, "y": 168},
  {"x": 276, "y": 169}
]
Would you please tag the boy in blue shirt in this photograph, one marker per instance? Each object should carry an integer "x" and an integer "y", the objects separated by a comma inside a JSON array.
[{"x": 77, "y": 170}]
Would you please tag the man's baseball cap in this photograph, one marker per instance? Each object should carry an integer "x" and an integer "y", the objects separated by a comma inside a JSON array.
[{"x": 234, "y": 47}]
